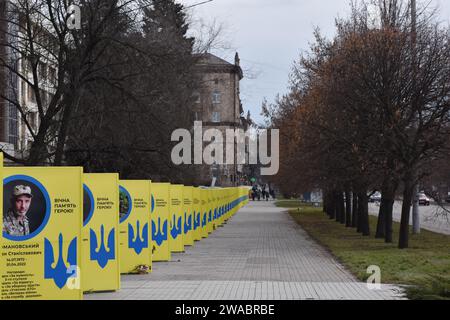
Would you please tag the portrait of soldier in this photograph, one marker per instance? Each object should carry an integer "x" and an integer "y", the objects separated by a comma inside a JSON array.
[
  {"x": 15, "y": 219},
  {"x": 124, "y": 204}
]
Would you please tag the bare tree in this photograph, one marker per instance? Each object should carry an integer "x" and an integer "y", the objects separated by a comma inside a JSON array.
[
  {"x": 55, "y": 62},
  {"x": 362, "y": 119}
]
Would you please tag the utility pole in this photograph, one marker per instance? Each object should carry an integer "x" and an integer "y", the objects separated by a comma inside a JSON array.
[{"x": 415, "y": 213}]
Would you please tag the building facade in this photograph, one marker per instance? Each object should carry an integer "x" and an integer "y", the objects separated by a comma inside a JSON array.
[
  {"x": 18, "y": 97},
  {"x": 218, "y": 106},
  {"x": 8, "y": 84}
]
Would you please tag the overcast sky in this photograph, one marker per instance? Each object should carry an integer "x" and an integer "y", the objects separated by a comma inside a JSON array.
[{"x": 270, "y": 34}]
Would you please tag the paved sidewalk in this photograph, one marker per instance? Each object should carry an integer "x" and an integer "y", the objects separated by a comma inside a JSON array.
[{"x": 261, "y": 254}]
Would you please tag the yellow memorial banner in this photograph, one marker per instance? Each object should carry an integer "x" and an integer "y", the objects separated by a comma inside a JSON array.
[
  {"x": 220, "y": 208},
  {"x": 210, "y": 208},
  {"x": 228, "y": 204},
  {"x": 135, "y": 232},
  {"x": 160, "y": 221},
  {"x": 41, "y": 240},
  {"x": 245, "y": 196},
  {"x": 233, "y": 202},
  {"x": 215, "y": 208},
  {"x": 232, "y": 197},
  {"x": 188, "y": 239},
  {"x": 197, "y": 209},
  {"x": 100, "y": 242},
  {"x": 176, "y": 218},
  {"x": 204, "y": 212},
  {"x": 225, "y": 205}
]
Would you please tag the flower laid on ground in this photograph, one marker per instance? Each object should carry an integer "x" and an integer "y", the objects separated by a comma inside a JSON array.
[{"x": 142, "y": 269}]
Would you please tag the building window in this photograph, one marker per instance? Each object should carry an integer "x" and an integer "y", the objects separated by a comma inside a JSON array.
[
  {"x": 29, "y": 66},
  {"x": 216, "y": 97},
  {"x": 23, "y": 88},
  {"x": 52, "y": 76},
  {"x": 33, "y": 120},
  {"x": 13, "y": 126},
  {"x": 31, "y": 95},
  {"x": 24, "y": 65},
  {"x": 216, "y": 117},
  {"x": 43, "y": 71}
]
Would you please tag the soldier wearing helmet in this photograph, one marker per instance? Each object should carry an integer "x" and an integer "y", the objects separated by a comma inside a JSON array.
[{"x": 15, "y": 220}]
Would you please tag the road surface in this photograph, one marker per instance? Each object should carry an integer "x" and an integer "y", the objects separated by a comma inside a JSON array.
[{"x": 432, "y": 218}]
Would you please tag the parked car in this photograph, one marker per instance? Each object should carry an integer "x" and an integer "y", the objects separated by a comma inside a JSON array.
[
  {"x": 376, "y": 197},
  {"x": 423, "y": 200}
]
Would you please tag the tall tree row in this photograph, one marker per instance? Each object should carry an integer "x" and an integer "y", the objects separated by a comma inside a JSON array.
[
  {"x": 119, "y": 85},
  {"x": 371, "y": 112}
]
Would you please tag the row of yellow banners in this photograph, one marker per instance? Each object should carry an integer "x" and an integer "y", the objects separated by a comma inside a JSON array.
[{"x": 66, "y": 233}]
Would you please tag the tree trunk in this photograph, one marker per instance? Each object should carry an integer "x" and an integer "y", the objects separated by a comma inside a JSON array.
[
  {"x": 341, "y": 204},
  {"x": 363, "y": 206},
  {"x": 358, "y": 213},
  {"x": 355, "y": 210},
  {"x": 327, "y": 204},
  {"x": 381, "y": 228},
  {"x": 389, "y": 197},
  {"x": 337, "y": 206},
  {"x": 348, "y": 208},
  {"x": 388, "y": 231},
  {"x": 38, "y": 151},
  {"x": 64, "y": 128},
  {"x": 61, "y": 143},
  {"x": 403, "y": 241},
  {"x": 380, "y": 233},
  {"x": 332, "y": 206}
]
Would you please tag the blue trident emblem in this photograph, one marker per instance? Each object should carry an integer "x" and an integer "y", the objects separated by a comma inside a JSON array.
[
  {"x": 137, "y": 242},
  {"x": 204, "y": 220},
  {"x": 103, "y": 254},
  {"x": 60, "y": 273},
  {"x": 177, "y": 228},
  {"x": 196, "y": 220},
  {"x": 187, "y": 223},
  {"x": 159, "y": 235}
]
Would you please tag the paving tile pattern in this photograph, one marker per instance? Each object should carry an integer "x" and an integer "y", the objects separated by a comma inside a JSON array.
[{"x": 260, "y": 254}]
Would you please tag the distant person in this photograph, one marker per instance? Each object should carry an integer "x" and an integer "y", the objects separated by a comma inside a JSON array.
[
  {"x": 15, "y": 220},
  {"x": 265, "y": 193},
  {"x": 272, "y": 194},
  {"x": 254, "y": 192}
]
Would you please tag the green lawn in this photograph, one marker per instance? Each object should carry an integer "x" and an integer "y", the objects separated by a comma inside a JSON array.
[
  {"x": 290, "y": 203},
  {"x": 287, "y": 203},
  {"x": 425, "y": 265}
]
